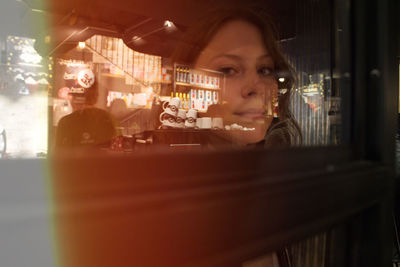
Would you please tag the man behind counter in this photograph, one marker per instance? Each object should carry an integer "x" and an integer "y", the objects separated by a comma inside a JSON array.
[{"x": 87, "y": 126}]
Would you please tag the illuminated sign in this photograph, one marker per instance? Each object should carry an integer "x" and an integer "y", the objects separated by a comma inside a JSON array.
[{"x": 86, "y": 78}]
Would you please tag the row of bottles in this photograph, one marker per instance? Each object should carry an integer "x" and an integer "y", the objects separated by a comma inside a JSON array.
[
  {"x": 182, "y": 74},
  {"x": 186, "y": 75},
  {"x": 184, "y": 100},
  {"x": 197, "y": 99}
]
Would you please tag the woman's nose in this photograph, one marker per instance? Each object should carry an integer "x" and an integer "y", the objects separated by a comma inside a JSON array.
[{"x": 253, "y": 86}]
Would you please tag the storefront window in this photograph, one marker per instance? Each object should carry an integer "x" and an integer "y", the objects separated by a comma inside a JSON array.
[
  {"x": 200, "y": 93},
  {"x": 230, "y": 76}
]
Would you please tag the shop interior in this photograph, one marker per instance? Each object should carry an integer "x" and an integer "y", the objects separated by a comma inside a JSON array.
[{"x": 137, "y": 76}]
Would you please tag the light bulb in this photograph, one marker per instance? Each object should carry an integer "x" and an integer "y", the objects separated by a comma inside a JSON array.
[{"x": 81, "y": 45}]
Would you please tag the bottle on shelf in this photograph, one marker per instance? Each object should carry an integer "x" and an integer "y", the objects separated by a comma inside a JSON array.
[
  {"x": 192, "y": 78},
  {"x": 188, "y": 76},
  {"x": 187, "y": 102},
  {"x": 184, "y": 75},
  {"x": 215, "y": 97},
  {"x": 181, "y": 100},
  {"x": 178, "y": 74},
  {"x": 193, "y": 98}
]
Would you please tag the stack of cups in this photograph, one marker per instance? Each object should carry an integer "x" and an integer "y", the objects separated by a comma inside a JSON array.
[
  {"x": 169, "y": 115},
  {"x": 191, "y": 118},
  {"x": 173, "y": 117}
]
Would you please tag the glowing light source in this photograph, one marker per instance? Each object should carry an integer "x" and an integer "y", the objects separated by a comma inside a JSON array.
[
  {"x": 281, "y": 80},
  {"x": 168, "y": 24},
  {"x": 47, "y": 39},
  {"x": 137, "y": 40},
  {"x": 81, "y": 45}
]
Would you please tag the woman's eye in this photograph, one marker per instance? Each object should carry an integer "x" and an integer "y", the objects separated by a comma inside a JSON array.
[
  {"x": 228, "y": 71},
  {"x": 266, "y": 71}
]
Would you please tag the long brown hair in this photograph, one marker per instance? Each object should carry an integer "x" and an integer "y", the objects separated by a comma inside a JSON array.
[{"x": 198, "y": 37}]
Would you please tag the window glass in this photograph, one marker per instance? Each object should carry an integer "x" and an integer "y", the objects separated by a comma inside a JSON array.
[
  {"x": 195, "y": 76},
  {"x": 24, "y": 85}
]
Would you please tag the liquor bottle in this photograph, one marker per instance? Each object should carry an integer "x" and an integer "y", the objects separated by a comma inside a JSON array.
[
  {"x": 178, "y": 74},
  {"x": 187, "y": 102},
  {"x": 182, "y": 72},
  {"x": 208, "y": 97},
  {"x": 191, "y": 78},
  {"x": 215, "y": 97},
  {"x": 187, "y": 75},
  {"x": 184, "y": 75},
  {"x": 181, "y": 100},
  {"x": 184, "y": 101},
  {"x": 193, "y": 97}
]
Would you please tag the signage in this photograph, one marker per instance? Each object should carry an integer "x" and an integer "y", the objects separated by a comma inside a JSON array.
[{"x": 85, "y": 78}]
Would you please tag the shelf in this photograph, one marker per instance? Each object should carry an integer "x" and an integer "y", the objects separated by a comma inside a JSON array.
[
  {"x": 197, "y": 86},
  {"x": 162, "y": 82},
  {"x": 113, "y": 75}
]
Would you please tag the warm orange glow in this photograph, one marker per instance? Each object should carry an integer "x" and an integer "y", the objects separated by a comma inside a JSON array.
[{"x": 81, "y": 45}]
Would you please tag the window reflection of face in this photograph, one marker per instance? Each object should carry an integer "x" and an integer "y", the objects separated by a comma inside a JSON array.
[{"x": 237, "y": 50}]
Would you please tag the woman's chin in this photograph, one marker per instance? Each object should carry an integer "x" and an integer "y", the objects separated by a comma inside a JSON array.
[{"x": 249, "y": 134}]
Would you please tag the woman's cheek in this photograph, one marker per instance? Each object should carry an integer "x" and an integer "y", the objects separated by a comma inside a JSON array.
[{"x": 231, "y": 93}]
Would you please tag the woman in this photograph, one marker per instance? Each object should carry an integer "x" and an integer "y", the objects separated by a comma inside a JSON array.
[{"x": 241, "y": 44}]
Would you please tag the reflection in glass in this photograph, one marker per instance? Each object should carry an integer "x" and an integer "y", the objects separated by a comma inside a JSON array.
[{"x": 253, "y": 86}]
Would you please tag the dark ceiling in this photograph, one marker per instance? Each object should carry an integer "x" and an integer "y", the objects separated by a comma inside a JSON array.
[{"x": 70, "y": 21}]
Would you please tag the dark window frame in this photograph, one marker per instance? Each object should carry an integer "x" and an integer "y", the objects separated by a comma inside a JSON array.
[{"x": 353, "y": 181}]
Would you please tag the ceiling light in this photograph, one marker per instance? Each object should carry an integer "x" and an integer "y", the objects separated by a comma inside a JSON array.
[
  {"x": 81, "y": 45},
  {"x": 137, "y": 40},
  {"x": 281, "y": 80},
  {"x": 168, "y": 24}
]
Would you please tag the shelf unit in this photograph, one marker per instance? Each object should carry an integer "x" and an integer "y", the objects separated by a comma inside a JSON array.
[{"x": 210, "y": 89}]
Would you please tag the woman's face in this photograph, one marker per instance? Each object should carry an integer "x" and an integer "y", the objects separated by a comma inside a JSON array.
[{"x": 238, "y": 51}]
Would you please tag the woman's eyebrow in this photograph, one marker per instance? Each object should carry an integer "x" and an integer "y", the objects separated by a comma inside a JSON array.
[
  {"x": 266, "y": 56},
  {"x": 230, "y": 56},
  {"x": 239, "y": 58}
]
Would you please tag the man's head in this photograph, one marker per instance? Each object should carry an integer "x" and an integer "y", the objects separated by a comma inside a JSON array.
[{"x": 87, "y": 97}]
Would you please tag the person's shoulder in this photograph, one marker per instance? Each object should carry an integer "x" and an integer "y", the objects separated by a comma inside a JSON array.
[
  {"x": 280, "y": 133},
  {"x": 97, "y": 111},
  {"x": 101, "y": 115},
  {"x": 67, "y": 118}
]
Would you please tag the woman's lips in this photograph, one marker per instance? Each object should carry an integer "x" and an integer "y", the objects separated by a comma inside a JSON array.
[{"x": 252, "y": 114}]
